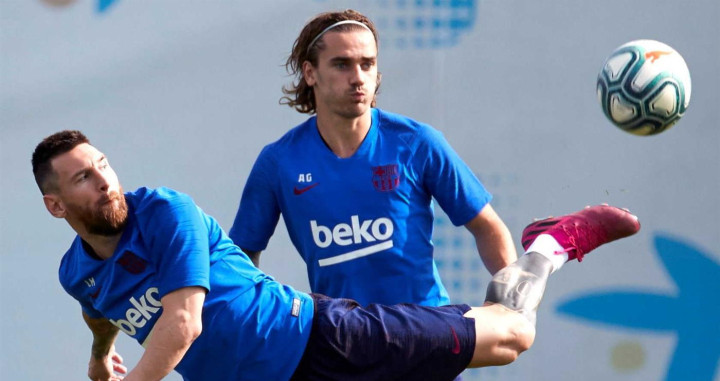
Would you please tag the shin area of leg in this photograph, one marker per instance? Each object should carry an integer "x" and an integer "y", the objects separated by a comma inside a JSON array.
[{"x": 521, "y": 285}]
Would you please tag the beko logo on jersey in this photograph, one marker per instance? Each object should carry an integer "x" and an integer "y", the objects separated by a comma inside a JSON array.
[
  {"x": 356, "y": 232},
  {"x": 144, "y": 309}
]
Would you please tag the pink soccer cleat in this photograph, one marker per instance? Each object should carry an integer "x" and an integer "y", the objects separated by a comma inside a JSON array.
[{"x": 581, "y": 232}]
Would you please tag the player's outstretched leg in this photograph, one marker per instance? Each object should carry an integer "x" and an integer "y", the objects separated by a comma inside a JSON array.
[
  {"x": 505, "y": 327},
  {"x": 581, "y": 232}
]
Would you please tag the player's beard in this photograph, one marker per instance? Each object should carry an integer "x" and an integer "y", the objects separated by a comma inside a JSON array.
[{"x": 106, "y": 218}]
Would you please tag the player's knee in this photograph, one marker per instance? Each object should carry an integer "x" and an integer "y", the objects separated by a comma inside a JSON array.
[
  {"x": 519, "y": 338},
  {"x": 502, "y": 335},
  {"x": 524, "y": 334}
]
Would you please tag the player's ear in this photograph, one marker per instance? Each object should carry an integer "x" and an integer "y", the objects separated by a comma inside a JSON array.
[
  {"x": 308, "y": 71},
  {"x": 54, "y": 205}
]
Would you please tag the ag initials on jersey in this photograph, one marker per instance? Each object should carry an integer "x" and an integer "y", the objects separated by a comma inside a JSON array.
[{"x": 304, "y": 178}]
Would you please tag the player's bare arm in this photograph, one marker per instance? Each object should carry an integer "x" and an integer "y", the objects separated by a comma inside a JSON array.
[
  {"x": 253, "y": 255},
  {"x": 493, "y": 239},
  {"x": 104, "y": 361},
  {"x": 176, "y": 329}
]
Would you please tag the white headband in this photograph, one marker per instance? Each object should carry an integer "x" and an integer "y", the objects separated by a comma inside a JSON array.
[{"x": 333, "y": 26}]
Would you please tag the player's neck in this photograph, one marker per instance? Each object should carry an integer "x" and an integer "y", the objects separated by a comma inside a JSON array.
[
  {"x": 103, "y": 246},
  {"x": 343, "y": 135}
]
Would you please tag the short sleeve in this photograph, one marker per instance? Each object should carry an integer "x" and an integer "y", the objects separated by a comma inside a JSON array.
[
  {"x": 89, "y": 310},
  {"x": 259, "y": 210},
  {"x": 178, "y": 239},
  {"x": 449, "y": 179}
]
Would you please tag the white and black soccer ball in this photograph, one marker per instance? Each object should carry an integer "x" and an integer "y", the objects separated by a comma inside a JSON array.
[{"x": 644, "y": 87}]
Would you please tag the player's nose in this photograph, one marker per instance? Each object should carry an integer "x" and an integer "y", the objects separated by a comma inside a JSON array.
[
  {"x": 102, "y": 180},
  {"x": 357, "y": 76}
]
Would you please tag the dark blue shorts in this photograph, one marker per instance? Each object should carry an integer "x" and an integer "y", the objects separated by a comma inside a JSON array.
[{"x": 377, "y": 342}]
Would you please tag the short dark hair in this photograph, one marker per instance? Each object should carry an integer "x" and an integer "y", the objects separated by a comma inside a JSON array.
[
  {"x": 49, "y": 148},
  {"x": 299, "y": 94}
]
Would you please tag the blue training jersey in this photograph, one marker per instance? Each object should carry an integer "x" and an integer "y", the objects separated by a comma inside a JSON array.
[
  {"x": 253, "y": 327},
  {"x": 362, "y": 224}
]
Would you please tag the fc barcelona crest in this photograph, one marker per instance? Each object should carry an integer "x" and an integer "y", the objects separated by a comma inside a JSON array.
[
  {"x": 385, "y": 178},
  {"x": 132, "y": 263}
]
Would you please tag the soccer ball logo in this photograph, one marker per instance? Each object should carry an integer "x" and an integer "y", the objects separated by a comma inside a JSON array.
[{"x": 644, "y": 87}]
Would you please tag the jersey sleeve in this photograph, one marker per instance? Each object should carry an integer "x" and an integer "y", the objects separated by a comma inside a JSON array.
[
  {"x": 449, "y": 179},
  {"x": 259, "y": 209},
  {"x": 85, "y": 304},
  {"x": 89, "y": 310},
  {"x": 178, "y": 239},
  {"x": 70, "y": 281}
]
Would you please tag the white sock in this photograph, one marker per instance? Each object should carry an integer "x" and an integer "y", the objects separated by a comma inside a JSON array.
[{"x": 546, "y": 245}]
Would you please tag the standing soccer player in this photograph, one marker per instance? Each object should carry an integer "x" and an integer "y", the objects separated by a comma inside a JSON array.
[{"x": 355, "y": 184}]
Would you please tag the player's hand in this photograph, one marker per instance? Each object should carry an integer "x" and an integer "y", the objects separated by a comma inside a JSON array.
[{"x": 109, "y": 368}]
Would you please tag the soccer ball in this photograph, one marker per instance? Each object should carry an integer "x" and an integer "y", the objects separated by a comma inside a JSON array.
[{"x": 644, "y": 87}]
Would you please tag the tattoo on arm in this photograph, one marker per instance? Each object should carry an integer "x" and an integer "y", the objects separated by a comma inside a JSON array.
[{"x": 104, "y": 335}]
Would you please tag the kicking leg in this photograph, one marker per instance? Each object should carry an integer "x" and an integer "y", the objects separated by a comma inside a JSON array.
[{"x": 505, "y": 326}]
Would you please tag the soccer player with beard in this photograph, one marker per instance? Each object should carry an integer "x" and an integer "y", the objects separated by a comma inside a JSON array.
[{"x": 152, "y": 264}]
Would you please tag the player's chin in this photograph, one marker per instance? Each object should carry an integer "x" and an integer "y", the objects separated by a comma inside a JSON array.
[{"x": 358, "y": 108}]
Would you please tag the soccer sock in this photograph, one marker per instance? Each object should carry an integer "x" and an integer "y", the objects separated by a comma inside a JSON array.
[
  {"x": 546, "y": 245},
  {"x": 521, "y": 285}
]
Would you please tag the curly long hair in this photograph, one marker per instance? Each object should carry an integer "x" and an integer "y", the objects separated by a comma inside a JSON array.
[{"x": 298, "y": 94}]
